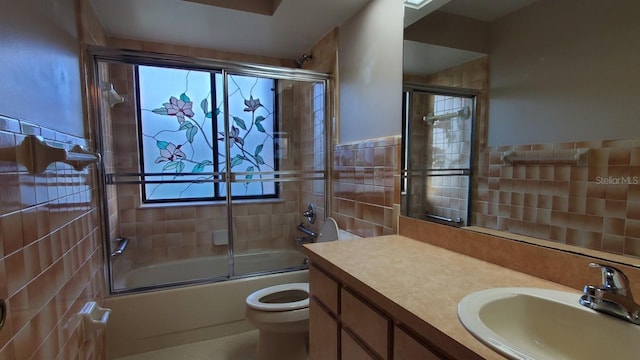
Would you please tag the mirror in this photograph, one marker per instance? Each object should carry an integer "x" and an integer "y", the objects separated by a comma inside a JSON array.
[{"x": 552, "y": 76}]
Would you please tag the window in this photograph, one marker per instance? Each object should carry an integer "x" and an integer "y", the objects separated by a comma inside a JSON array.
[{"x": 182, "y": 135}]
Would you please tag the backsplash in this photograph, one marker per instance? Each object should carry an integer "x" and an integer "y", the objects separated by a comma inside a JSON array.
[
  {"x": 51, "y": 255},
  {"x": 568, "y": 268}
]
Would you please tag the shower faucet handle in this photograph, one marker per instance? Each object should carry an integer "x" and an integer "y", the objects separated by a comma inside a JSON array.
[{"x": 310, "y": 213}]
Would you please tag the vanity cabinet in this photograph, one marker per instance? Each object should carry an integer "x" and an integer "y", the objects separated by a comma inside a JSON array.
[
  {"x": 344, "y": 324},
  {"x": 351, "y": 350},
  {"x": 365, "y": 322},
  {"x": 325, "y": 329},
  {"x": 407, "y": 347}
]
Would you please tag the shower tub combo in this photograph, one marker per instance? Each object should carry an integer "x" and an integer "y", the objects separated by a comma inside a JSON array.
[
  {"x": 209, "y": 267},
  {"x": 230, "y": 177},
  {"x": 152, "y": 320}
]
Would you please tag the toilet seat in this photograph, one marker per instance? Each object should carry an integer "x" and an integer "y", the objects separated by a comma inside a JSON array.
[{"x": 253, "y": 300}]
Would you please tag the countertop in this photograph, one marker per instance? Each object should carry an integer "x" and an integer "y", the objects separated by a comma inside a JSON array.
[{"x": 420, "y": 284}]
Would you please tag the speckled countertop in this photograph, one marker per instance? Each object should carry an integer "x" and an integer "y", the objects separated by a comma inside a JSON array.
[{"x": 419, "y": 284}]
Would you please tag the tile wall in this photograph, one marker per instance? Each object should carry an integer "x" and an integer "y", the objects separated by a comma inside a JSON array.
[
  {"x": 366, "y": 186},
  {"x": 594, "y": 206},
  {"x": 51, "y": 258},
  {"x": 312, "y": 146},
  {"x": 51, "y": 255}
]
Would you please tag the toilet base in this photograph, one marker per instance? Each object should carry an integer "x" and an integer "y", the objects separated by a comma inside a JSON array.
[{"x": 279, "y": 346}]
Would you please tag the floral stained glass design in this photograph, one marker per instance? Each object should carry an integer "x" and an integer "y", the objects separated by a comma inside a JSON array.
[{"x": 183, "y": 147}]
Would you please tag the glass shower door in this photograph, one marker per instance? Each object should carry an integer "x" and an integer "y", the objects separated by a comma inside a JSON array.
[
  {"x": 160, "y": 177},
  {"x": 283, "y": 169},
  {"x": 207, "y": 167}
]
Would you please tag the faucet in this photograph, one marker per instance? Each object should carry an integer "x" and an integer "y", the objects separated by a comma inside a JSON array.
[
  {"x": 310, "y": 213},
  {"x": 311, "y": 236},
  {"x": 613, "y": 297}
]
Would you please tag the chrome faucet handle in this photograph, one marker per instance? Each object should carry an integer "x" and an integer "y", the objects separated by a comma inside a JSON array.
[
  {"x": 310, "y": 213},
  {"x": 613, "y": 279},
  {"x": 613, "y": 297}
]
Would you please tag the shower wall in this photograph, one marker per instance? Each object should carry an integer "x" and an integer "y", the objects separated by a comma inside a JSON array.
[
  {"x": 309, "y": 107},
  {"x": 314, "y": 146}
]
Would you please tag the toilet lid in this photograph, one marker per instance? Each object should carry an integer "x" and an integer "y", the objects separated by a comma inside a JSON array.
[
  {"x": 259, "y": 300},
  {"x": 328, "y": 231}
]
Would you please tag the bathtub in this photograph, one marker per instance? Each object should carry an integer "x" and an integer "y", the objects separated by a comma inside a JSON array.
[
  {"x": 148, "y": 321},
  {"x": 209, "y": 267}
]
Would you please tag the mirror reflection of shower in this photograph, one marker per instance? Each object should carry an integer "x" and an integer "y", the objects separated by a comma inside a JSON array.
[
  {"x": 437, "y": 150},
  {"x": 433, "y": 119}
]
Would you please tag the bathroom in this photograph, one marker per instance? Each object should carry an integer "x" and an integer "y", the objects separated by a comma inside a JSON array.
[{"x": 53, "y": 256}]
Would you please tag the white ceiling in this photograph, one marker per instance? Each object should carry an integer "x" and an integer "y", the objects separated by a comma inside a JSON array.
[{"x": 294, "y": 28}]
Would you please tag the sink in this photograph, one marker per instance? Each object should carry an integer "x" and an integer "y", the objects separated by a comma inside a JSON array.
[{"x": 531, "y": 323}]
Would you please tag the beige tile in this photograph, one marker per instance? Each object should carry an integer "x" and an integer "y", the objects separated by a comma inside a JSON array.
[
  {"x": 24, "y": 343},
  {"x": 614, "y": 226},
  {"x": 616, "y": 208},
  {"x": 595, "y": 207},
  {"x": 613, "y": 243},
  {"x": 632, "y": 228},
  {"x": 632, "y": 246},
  {"x": 620, "y": 155},
  {"x": 616, "y": 192}
]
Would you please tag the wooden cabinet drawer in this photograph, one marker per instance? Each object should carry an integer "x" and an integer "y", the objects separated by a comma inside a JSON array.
[
  {"x": 324, "y": 289},
  {"x": 366, "y": 323},
  {"x": 406, "y": 347},
  {"x": 351, "y": 350},
  {"x": 323, "y": 333}
]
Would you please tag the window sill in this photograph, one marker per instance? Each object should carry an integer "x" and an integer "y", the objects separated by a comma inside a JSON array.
[{"x": 209, "y": 203}]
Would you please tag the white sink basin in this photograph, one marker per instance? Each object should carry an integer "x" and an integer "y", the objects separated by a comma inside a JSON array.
[{"x": 528, "y": 323}]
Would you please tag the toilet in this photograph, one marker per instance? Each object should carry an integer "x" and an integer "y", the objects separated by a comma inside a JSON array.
[{"x": 281, "y": 313}]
